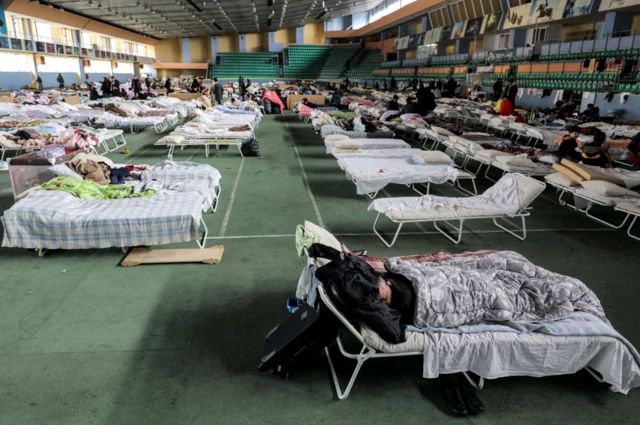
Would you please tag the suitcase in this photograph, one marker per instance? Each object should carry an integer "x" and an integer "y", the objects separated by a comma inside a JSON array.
[{"x": 297, "y": 338}]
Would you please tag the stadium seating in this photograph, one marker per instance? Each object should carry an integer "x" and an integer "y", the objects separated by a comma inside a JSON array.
[
  {"x": 364, "y": 69},
  {"x": 306, "y": 60},
  {"x": 337, "y": 60},
  {"x": 248, "y": 65}
]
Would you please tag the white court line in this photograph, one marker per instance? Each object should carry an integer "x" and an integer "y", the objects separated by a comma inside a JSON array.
[
  {"x": 227, "y": 214},
  {"x": 304, "y": 178},
  {"x": 430, "y": 232}
]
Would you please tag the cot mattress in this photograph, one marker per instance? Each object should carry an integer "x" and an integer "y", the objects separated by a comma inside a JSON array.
[
  {"x": 59, "y": 220},
  {"x": 632, "y": 208},
  {"x": 111, "y": 120},
  {"x": 328, "y": 130},
  {"x": 441, "y": 213},
  {"x": 373, "y": 174},
  {"x": 369, "y": 144},
  {"x": 541, "y": 170},
  {"x": 607, "y": 201},
  {"x": 377, "y": 153},
  {"x": 566, "y": 350}
]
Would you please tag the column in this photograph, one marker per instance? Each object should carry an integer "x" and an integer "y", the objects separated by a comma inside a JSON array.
[
  {"x": 186, "y": 50},
  {"x": 299, "y": 35},
  {"x": 214, "y": 47},
  {"x": 242, "y": 43}
]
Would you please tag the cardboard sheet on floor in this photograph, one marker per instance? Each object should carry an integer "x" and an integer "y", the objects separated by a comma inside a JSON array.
[{"x": 138, "y": 256}]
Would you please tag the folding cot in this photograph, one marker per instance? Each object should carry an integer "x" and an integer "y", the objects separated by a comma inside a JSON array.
[
  {"x": 370, "y": 175},
  {"x": 461, "y": 210},
  {"x": 343, "y": 142},
  {"x": 479, "y": 348}
]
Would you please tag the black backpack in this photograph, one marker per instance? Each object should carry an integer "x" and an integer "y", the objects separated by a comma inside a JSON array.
[{"x": 250, "y": 147}]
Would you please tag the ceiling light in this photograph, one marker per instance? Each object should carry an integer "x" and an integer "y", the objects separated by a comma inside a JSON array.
[
  {"x": 90, "y": 2},
  {"x": 138, "y": 3},
  {"x": 100, "y": 6}
]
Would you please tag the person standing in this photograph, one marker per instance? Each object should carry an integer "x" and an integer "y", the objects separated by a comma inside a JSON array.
[
  {"x": 217, "y": 91},
  {"x": 106, "y": 87},
  {"x": 167, "y": 86},
  {"x": 135, "y": 86},
  {"x": 147, "y": 82},
  {"x": 60, "y": 81},
  {"x": 115, "y": 86},
  {"x": 393, "y": 85},
  {"x": 497, "y": 89},
  {"x": 512, "y": 92},
  {"x": 38, "y": 83},
  {"x": 426, "y": 100},
  {"x": 241, "y": 86}
]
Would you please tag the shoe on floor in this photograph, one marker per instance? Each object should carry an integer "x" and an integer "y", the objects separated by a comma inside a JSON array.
[
  {"x": 471, "y": 400},
  {"x": 453, "y": 399}
]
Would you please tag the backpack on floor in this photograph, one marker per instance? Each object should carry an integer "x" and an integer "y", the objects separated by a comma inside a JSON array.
[{"x": 250, "y": 147}]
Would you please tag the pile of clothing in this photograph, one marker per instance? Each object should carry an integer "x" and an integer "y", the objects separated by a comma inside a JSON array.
[{"x": 29, "y": 139}]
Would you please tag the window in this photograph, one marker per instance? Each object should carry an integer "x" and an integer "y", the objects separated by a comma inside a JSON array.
[
  {"x": 503, "y": 41},
  {"x": 17, "y": 27},
  {"x": 68, "y": 36},
  {"x": 43, "y": 32},
  {"x": 539, "y": 34},
  {"x": 142, "y": 50},
  {"x": 86, "y": 40},
  {"x": 105, "y": 43},
  {"x": 377, "y": 12},
  {"x": 16, "y": 63},
  {"x": 128, "y": 48},
  {"x": 391, "y": 6}
]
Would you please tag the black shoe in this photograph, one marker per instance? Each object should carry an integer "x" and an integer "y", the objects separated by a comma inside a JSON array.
[
  {"x": 471, "y": 399},
  {"x": 453, "y": 400}
]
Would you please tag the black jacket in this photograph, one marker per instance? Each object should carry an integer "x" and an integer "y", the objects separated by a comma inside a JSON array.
[{"x": 355, "y": 285}]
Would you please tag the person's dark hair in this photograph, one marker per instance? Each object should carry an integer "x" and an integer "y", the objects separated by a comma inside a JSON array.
[
  {"x": 599, "y": 137},
  {"x": 590, "y": 106},
  {"x": 573, "y": 129},
  {"x": 559, "y": 103},
  {"x": 215, "y": 80},
  {"x": 395, "y": 97}
]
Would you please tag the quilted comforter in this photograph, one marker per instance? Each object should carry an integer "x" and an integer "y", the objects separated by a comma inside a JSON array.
[{"x": 502, "y": 286}]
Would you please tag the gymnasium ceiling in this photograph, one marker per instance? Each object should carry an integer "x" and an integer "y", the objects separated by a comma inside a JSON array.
[{"x": 187, "y": 18}]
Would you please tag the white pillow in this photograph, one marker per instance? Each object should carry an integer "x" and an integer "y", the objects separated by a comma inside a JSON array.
[
  {"x": 433, "y": 156},
  {"x": 561, "y": 180},
  {"x": 349, "y": 144},
  {"x": 603, "y": 188},
  {"x": 93, "y": 157},
  {"x": 335, "y": 137},
  {"x": 64, "y": 170},
  {"x": 170, "y": 140},
  {"x": 492, "y": 153},
  {"x": 128, "y": 108}
]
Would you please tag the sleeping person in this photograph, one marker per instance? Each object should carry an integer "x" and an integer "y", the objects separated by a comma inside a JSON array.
[{"x": 461, "y": 398}]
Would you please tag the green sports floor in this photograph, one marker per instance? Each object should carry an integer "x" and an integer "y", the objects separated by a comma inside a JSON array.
[{"x": 86, "y": 341}]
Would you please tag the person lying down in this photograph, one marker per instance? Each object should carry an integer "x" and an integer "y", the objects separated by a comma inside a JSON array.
[{"x": 500, "y": 286}]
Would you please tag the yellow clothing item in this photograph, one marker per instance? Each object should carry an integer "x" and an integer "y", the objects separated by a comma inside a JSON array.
[{"x": 498, "y": 106}]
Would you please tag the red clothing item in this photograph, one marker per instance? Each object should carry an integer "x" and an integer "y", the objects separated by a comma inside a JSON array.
[
  {"x": 272, "y": 97},
  {"x": 507, "y": 108}
]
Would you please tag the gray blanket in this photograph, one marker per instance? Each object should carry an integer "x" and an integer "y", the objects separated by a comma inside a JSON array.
[{"x": 502, "y": 286}]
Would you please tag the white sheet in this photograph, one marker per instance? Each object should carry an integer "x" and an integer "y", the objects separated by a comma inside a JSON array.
[
  {"x": 501, "y": 198},
  {"x": 379, "y": 153},
  {"x": 372, "y": 144},
  {"x": 501, "y": 354},
  {"x": 373, "y": 174}
]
